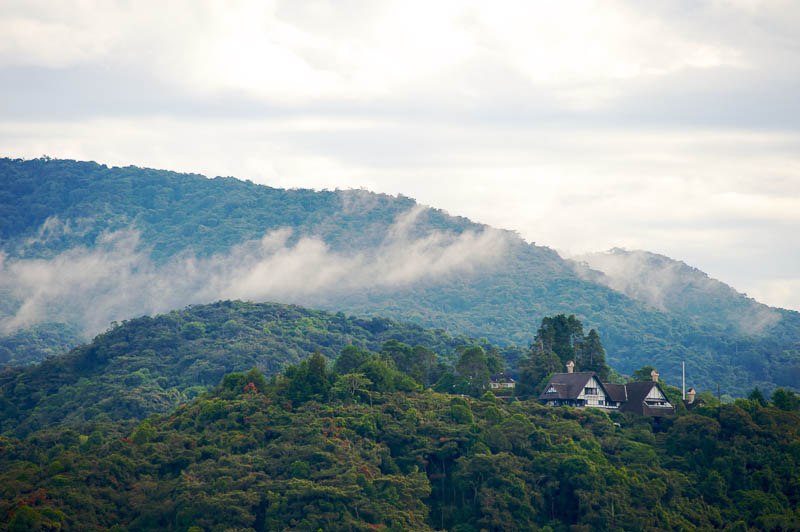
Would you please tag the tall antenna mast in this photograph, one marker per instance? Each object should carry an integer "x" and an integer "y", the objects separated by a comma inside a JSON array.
[{"x": 683, "y": 378}]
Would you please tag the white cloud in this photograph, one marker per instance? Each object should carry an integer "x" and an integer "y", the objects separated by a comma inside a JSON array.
[
  {"x": 671, "y": 285},
  {"x": 726, "y": 202},
  {"x": 301, "y": 52},
  {"x": 668, "y": 126},
  {"x": 117, "y": 280}
]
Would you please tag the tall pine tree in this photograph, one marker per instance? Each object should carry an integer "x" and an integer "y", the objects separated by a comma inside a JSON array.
[{"x": 592, "y": 356}]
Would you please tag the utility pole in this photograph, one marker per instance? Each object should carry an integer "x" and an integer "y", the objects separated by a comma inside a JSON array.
[{"x": 683, "y": 380}]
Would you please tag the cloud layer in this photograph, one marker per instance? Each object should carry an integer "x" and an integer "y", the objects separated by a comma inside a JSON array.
[
  {"x": 664, "y": 125},
  {"x": 117, "y": 280},
  {"x": 670, "y": 285}
]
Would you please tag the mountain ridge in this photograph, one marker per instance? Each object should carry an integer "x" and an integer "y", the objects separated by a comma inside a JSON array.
[
  {"x": 671, "y": 285},
  {"x": 443, "y": 271}
]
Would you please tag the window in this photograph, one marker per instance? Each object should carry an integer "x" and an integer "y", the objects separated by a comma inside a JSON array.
[{"x": 591, "y": 391}]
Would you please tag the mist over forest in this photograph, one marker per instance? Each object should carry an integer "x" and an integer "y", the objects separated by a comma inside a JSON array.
[
  {"x": 379, "y": 413},
  {"x": 116, "y": 278},
  {"x": 399, "y": 266},
  {"x": 86, "y": 245}
]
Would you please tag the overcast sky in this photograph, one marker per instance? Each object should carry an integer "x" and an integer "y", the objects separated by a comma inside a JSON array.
[{"x": 671, "y": 126}]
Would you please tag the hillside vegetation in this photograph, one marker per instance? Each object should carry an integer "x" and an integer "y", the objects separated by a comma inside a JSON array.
[
  {"x": 151, "y": 365},
  {"x": 55, "y": 211},
  {"x": 354, "y": 454}
]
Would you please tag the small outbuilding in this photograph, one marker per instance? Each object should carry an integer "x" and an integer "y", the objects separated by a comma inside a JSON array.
[
  {"x": 501, "y": 381},
  {"x": 691, "y": 400}
]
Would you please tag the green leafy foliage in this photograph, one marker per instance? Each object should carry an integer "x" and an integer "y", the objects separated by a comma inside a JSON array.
[
  {"x": 245, "y": 457},
  {"x": 148, "y": 365},
  {"x": 560, "y": 339},
  {"x": 26, "y": 346}
]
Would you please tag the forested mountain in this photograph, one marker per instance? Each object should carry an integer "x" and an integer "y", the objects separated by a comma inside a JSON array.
[
  {"x": 86, "y": 244},
  {"x": 354, "y": 454}
]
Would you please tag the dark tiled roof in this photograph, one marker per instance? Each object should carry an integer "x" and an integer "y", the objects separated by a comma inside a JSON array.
[
  {"x": 560, "y": 393},
  {"x": 631, "y": 396},
  {"x": 616, "y": 392},
  {"x": 695, "y": 404},
  {"x": 637, "y": 392},
  {"x": 567, "y": 385}
]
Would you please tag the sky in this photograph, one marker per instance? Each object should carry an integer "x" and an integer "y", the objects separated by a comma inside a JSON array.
[{"x": 671, "y": 126}]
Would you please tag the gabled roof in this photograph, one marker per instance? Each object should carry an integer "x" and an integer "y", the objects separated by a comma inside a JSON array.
[
  {"x": 630, "y": 397},
  {"x": 637, "y": 392},
  {"x": 616, "y": 392},
  {"x": 567, "y": 385}
]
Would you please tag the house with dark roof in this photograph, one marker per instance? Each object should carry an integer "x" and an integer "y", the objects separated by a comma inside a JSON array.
[
  {"x": 576, "y": 389},
  {"x": 584, "y": 389},
  {"x": 501, "y": 382},
  {"x": 647, "y": 399}
]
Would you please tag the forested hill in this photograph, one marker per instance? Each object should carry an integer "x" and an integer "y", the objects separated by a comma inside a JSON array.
[
  {"x": 182, "y": 239},
  {"x": 348, "y": 453},
  {"x": 148, "y": 365}
]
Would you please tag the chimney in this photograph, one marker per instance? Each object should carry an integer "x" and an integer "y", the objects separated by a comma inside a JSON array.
[
  {"x": 570, "y": 366},
  {"x": 654, "y": 375},
  {"x": 690, "y": 395}
]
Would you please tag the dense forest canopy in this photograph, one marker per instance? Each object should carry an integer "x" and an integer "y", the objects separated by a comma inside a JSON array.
[
  {"x": 151, "y": 365},
  {"x": 329, "y": 422},
  {"x": 360, "y": 446},
  {"x": 58, "y": 211}
]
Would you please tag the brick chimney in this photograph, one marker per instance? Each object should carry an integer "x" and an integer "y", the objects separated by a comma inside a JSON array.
[
  {"x": 690, "y": 395},
  {"x": 570, "y": 366},
  {"x": 654, "y": 375}
]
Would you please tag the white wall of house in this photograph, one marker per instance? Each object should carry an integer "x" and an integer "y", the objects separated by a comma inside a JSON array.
[
  {"x": 597, "y": 397},
  {"x": 656, "y": 398}
]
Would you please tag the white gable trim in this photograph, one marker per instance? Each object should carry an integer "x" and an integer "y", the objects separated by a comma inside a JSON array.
[
  {"x": 593, "y": 393},
  {"x": 655, "y": 393}
]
